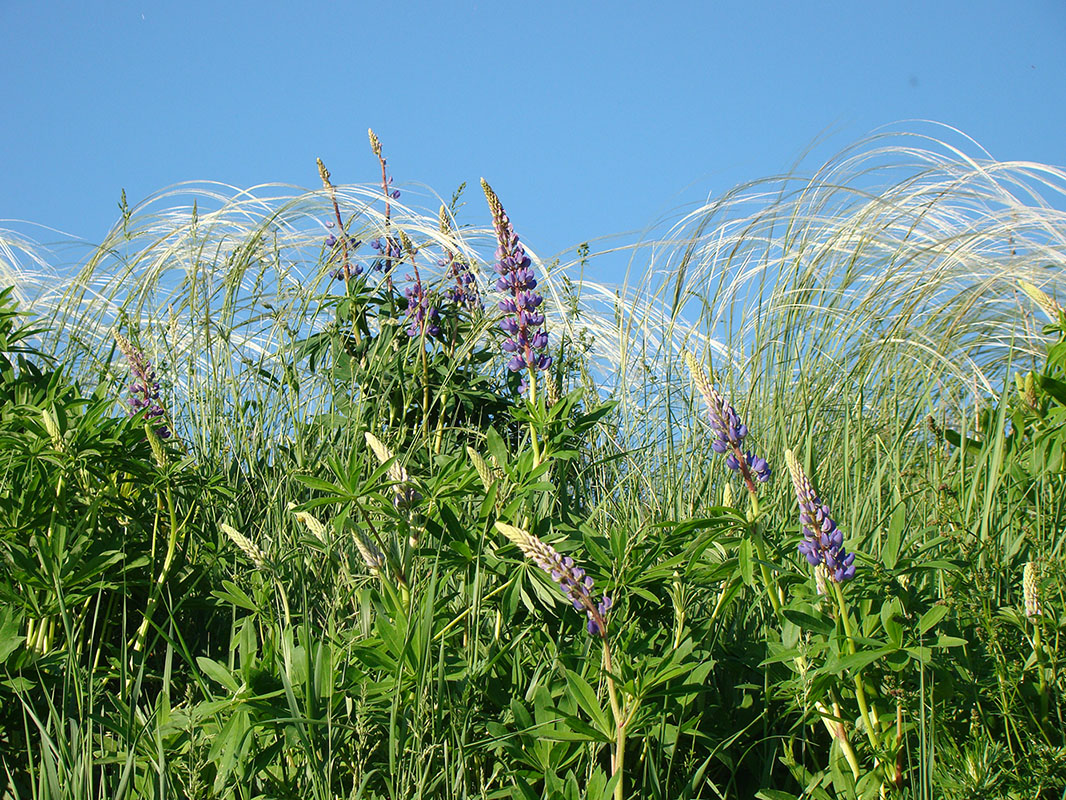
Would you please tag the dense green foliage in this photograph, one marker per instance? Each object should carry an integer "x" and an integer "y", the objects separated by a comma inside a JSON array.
[{"x": 319, "y": 587}]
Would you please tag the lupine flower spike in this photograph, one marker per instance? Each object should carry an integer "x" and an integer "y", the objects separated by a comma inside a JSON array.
[
  {"x": 465, "y": 292},
  {"x": 144, "y": 391},
  {"x": 1046, "y": 302},
  {"x": 576, "y": 585},
  {"x": 725, "y": 422},
  {"x": 340, "y": 247},
  {"x": 371, "y": 553},
  {"x": 523, "y": 324},
  {"x": 823, "y": 542},
  {"x": 313, "y": 525},
  {"x": 421, "y": 311},
  {"x": 389, "y": 248}
]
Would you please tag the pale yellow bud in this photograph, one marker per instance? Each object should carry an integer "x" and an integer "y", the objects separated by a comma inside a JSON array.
[
  {"x": 323, "y": 173},
  {"x": 317, "y": 529},
  {"x": 727, "y": 496},
  {"x": 246, "y": 545},
  {"x": 1031, "y": 589},
  {"x": 52, "y": 428}
]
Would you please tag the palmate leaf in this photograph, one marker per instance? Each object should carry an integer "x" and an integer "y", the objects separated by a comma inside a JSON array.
[{"x": 587, "y": 700}]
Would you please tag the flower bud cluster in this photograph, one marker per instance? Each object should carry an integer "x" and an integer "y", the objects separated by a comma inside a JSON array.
[
  {"x": 823, "y": 541},
  {"x": 1031, "y": 590}
]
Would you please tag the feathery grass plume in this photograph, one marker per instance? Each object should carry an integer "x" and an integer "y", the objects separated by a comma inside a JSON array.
[
  {"x": 144, "y": 391},
  {"x": 576, "y": 585},
  {"x": 1046, "y": 302},
  {"x": 1031, "y": 590},
  {"x": 823, "y": 541},
  {"x": 316, "y": 528},
  {"x": 729, "y": 429},
  {"x": 525, "y": 343},
  {"x": 404, "y": 495},
  {"x": 246, "y": 545}
]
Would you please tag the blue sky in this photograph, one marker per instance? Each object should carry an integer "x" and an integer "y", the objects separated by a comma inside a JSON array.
[{"x": 589, "y": 119}]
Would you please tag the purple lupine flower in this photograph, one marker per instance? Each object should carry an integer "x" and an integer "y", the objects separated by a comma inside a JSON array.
[
  {"x": 390, "y": 253},
  {"x": 424, "y": 316},
  {"x": 730, "y": 431},
  {"x": 823, "y": 541},
  {"x": 576, "y": 585},
  {"x": 421, "y": 310},
  {"x": 144, "y": 391},
  {"x": 340, "y": 249},
  {"x": 525, "y": 341},
  {"x": 755, "y": 464}
]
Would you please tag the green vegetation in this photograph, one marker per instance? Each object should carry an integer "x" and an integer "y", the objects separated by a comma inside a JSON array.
[{"x": 300, "y": 496}]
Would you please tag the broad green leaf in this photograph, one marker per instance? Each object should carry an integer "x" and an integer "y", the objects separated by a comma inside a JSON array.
[
  {"x": 894, "y": 540},
  {"x": 808, "y": 619},
  {"x": 890, "y": 610},
  {"x": 863, "y": 658},
  {"x": 216, "y": 672},
  {"x": 949, "y": 641},
  {"x": 747, "y": 562},
  {"x": 931, "y": 617}
]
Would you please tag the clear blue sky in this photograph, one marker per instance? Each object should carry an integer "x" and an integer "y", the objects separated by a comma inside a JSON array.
[{"x": 588, "y": 118}]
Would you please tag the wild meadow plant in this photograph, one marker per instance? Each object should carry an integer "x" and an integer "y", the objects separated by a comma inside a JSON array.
[{"x": 351, "y": 569}]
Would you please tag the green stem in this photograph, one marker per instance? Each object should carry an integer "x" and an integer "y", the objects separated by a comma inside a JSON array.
[
  {"x": 425, "y": 386},
  {"x": 532, "y": 428},
  {"x": 617, "y": 763},
  {"x": 764, "y": 571},
  {"x": 157, "y": 587},
  {"x": 1041, "y": 688},
  {"x": 860, "y": 691}
]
